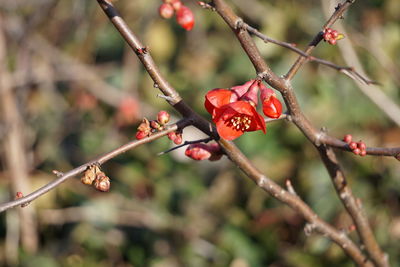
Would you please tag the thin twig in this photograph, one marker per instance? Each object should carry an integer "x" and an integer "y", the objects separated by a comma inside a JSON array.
[
  {"x": 374, "y": 93},
  {"x": 349, "y": 71},
  {"x": 234, "y": 153},
  {"x": 340, "y": 9},
  {"x": 100, "y": 160},
  {"x": 204, "y": 140},
  {"x": 300, "y": 121}
]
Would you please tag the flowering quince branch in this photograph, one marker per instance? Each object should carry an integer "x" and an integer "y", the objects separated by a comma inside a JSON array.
[
  {"x": 327, "y": 155},
  {"x": 231, "y": 150},
  {"x": 238, "y": 106}
]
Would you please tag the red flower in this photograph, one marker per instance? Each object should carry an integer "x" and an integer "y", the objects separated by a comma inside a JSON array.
[
  {"x": 233, "y": 119},
  {"x": 218, "y": 97}
]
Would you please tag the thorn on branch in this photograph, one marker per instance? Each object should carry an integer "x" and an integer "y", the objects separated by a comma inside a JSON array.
[
  {"x": 58, "y": 173},
  {"x": 290, "y": 188},
  {"x": 309, "y": 229},
  {"x": 168, "y": 98},
  {"x": 19, "y": 195},
  {"x": 204, "y": 5},
  {"x": 239, "y": 24}
]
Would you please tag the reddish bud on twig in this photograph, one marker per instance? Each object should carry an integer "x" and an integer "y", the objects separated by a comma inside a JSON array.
[
  {"x": 202, "y": 151},
  {"x": 176, "y": 4},
  {"x": 185, "y": 17},
  {"x": 163, "y": 117},
  {"x": 361, "y": 145},
  {"x": 155, "y": 125},
  {"x": 166, "y": 11},
  {"x": 252, "y": 93},
  {"x": 272, "y": 107},
  {"x": 140, "y": 135},
  {"x": 353, "y": 145},
  {"x": 356, "y": 151},
  {"x": 347, "y": 138},
  {"x": 178, "y": 139}
]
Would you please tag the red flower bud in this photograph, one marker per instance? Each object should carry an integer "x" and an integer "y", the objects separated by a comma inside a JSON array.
[
  {"x": 185, "y": 18},
  {"x": 252, "y": 94},
  {"x": 144, "y": 126},
  {"x": 363, "y": 153},
  {"x": 172, "y": 136},
  {"x": 102, "y": 182},
  {"x": 272, "y": 107},
  {"x": 178, "y": 139},
  {"x": 176, "y": 4},
  {"x": 155, "y": 125},
  {"x": 332, "y": 41},
  {"x": 353, "y": 145},
  {"x": 19, "y": 195},
  {"x": 166, "y": 11},
  {"x": 163, "y": 117},
  {"x": 361, "y": 145},
  {"x": 202, "y": 151},
  {"x": 140, "y": 135},
  {"x": 347, "y": 138},
  {"x": 356, "y": 151},
  {"x": 240, "y": 90}
]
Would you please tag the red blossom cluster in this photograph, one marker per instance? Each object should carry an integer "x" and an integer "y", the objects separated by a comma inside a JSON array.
[
  {"x": 331, "y": 36},
  {"x": 202, "y": 151},
  {"x": 234, "y": 110},
  {"x": 184, "y": 16},
  {"x": 147, "y": 128},
  {"x": 358, "y": 148}
]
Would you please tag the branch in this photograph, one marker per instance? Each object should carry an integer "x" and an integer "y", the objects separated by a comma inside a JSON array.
[
  {"x": 284, "y": 86},
  {"x": 338, "y": 14},
  {"x": 230, "y": 149},
  {"x": 373, "y": 151},
  {"x": 100, "y": 160},
  {"x": 349, "y": 71},
  {"x": 374, "y": 93}
]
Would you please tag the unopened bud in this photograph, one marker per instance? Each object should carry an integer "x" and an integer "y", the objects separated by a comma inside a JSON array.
[
  {"x": 140, "y": 135},
  {"x": 155, "y": 125},
  {"x": 90, "y": 175},
  {"x": 272, "y": 107},
  {"x": 144, "y": 126},
  {"x": 102, "y": 182},
  {"x": 163, "y": 117},
  {"x": 202, "y": 151},
  {"x": 178, "y": 139},
  {"x": 166, "y": 11},
  {"x": 185, "y": 18},
  {"x": 353, "y": 145},
  {"x": 347, "y": 138}
]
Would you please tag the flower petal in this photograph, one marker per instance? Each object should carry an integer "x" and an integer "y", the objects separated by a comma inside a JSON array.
[
  {"x": 216, "y": 98},
  {"x": 227, "y": 132}
]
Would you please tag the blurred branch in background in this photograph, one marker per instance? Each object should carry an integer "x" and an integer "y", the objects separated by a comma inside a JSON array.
[{"x": 15, "y": 159}]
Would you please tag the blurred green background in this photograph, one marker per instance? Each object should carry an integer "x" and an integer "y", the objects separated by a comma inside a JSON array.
[{"x": 81, "y": 92}]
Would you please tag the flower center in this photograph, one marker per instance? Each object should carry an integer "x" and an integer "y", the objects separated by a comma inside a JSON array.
[{"x": 240, "y": 122}]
